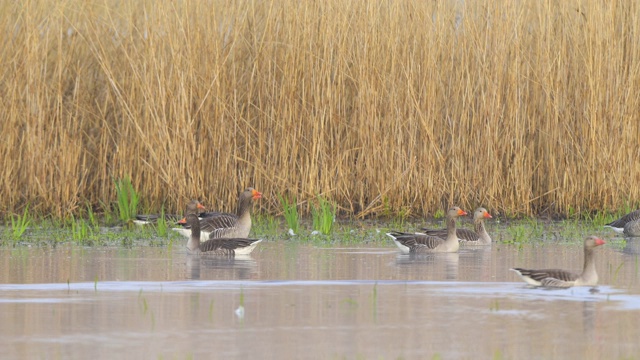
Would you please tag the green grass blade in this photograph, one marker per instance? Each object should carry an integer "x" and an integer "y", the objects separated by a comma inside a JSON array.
[{"x": 290, "y": 211}]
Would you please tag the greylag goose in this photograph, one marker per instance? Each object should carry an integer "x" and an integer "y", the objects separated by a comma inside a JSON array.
[
  {"x": 618, "y": 225},
  {"x": 218, "y": 246},
  {"x": 632, "y": 228},
  {"x": 470, "y": 237},
  {"x": 563, "y": 278},
  {"x": 219, "y": 224},
  {"x": 193, "y": 207},
  {"x": 423, "y": 243}
]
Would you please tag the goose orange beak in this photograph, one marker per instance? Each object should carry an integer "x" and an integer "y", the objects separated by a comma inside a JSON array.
[
  {"x": 600, "y": 242},
  {"x": 183, "y": 221},
  {"x": 256, "y": 194},
  {"x": 462, "y": 212},
  {"x": 201, "y": 207},
  {"x": 487, "y": 215}
]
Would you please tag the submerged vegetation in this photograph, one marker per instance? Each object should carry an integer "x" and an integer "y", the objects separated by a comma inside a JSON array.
[{"x": 387, "y": 107}]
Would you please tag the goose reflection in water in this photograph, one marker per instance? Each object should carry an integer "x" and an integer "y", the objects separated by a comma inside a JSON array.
[
  {"x": 441, "y": 266},
  {"x": 240, "y": 267}
]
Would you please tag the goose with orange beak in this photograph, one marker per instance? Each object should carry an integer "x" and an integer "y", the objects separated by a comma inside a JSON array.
[
  {"x": 409, "y": 243},
  {"x": 562, "y": 278},
  {"x": 218, "y": 224}
]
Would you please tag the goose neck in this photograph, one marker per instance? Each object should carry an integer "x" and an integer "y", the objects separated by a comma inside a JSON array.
[{"x": 194, "y": 240}]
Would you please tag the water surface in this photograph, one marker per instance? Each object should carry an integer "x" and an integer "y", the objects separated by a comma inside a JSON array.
[{"x": 295, "y": 301}]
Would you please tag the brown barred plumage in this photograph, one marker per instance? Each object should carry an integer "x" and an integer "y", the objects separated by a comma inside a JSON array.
[
  {"x": 422, "y": 243},
  {"x": 563, "y": 278},
  {"x": 217, "y": 246},
  {"x": 470, "y": 237}
]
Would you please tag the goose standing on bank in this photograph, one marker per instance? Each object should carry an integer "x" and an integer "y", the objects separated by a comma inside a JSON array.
[
  {"x": 193, "y": 207},
  {"x": 423, "y": 243},
  {"x": 618, "y": 225},
  {"x": 563, "y": 278},
  {"x": 218, "y": 246},
  {"x": 219, "y": 224},
  {"x": 469, "y": 237}
]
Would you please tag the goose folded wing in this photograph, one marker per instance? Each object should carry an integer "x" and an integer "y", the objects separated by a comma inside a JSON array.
[
  {"x": 632, "y": 216},
  {"x": 428, "y": 241},
  {"x": 541, "y": 275},
  {"x": 220, "y": 221},
  {"x": 462, "y": 234},
  {"x": 551, "y": 282}
]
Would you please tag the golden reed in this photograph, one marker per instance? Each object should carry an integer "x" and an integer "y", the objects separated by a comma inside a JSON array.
[{"x": 381, "y": 106}]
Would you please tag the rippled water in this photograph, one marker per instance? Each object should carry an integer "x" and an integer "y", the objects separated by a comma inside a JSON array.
[{"x": 293, "y": 301}]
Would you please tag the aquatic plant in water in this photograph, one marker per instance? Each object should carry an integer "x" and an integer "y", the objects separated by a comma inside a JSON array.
[
  {"x": 615, "y": 272},
  {"x": 240, "y": 310},
  {"x": 517, "y": 233}
]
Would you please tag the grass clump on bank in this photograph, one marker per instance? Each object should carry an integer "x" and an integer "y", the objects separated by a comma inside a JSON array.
[
  {"x": 127, "y": 199},
  {"x": 82, "y": 232},
  {"x": 324, "y": 215},
  {"x": 290, "y": 213},
  {"x": 19, "y": 224},
  {"x": 267, "y": 226},
  {"x": 162, "y": 228}
]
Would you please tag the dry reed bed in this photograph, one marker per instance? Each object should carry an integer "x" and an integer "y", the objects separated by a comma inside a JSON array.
[{"x": 521, "y": 106}]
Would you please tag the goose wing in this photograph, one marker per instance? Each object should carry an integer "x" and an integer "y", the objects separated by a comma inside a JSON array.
[
  {"x": 462, "y": 234},
  {"x": 226, "y": 246},
  {"x": 215, "y": 222},
  {"x": 416, "y": 240},
  {"x": 632, "y": 216},
  {"x": 547, "y": 275}
]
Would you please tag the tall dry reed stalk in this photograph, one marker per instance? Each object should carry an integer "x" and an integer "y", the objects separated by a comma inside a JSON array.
[{"x": 520, "y": 106}]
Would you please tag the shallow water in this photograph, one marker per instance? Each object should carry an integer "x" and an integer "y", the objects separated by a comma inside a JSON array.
[{"x": 294, "y": 301}]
